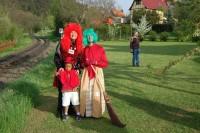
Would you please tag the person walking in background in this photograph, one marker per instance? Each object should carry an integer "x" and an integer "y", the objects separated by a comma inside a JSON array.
[{"x": 135, "y": 49}]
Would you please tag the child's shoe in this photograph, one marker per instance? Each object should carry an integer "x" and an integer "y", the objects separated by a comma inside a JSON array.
[
  {"x": 65, "y": 118},
  {"x": 78, "y": 117}
]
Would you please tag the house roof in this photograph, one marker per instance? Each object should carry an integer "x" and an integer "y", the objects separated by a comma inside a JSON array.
[
  {"x": 117, "y": 13},
  {"x": 153, "y": 4}
]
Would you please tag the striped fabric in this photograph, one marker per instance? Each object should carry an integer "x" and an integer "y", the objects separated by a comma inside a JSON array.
[{"x": 89, "y": 95}]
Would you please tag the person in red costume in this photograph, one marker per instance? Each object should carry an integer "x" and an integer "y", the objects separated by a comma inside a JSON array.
[
  {"x": 71, "y": 43},
  {"x": 92, "y": 102},
  {"x": 70, "y": 82}
]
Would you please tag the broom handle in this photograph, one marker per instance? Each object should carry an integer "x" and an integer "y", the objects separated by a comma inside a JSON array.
[{"x": 104, "y": 92}]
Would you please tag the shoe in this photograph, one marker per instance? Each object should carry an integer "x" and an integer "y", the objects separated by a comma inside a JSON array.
[
  {"x": 65, "y": 118},
  {"x": 78, "y": 117}
]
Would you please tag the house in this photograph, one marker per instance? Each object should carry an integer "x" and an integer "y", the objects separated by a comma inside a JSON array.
[
  {"x": 158, "y": 5},
  {"x": 117, "y": 17}
]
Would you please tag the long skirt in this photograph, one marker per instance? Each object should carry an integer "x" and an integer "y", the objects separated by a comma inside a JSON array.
[{"x": 92, "y": 103}]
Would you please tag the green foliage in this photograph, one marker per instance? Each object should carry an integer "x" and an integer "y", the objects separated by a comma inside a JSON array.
[
  {"x": 8, "y": 30},
  {"x": 152, "y": 16},
  {"x": 162, "y": 28},
  {"x": 187, "y": 14},
  {"x": 102, "y": 32},
  {"x": 22, "y": 42},
  {"x": 14, "y": 110},
  {"x": 5, "y": 25},
  {"x": 108, "y": 32},
  {"x": 143, "y": 27},
  {"x": 19, "y": 97},
  {"x": 137, "y": 14},
  {"x": 184, "y": 30},
  {"x": 28, "y": 21},
  {"x": 165, "y": 99},
  {"x": 152, "y": 36},
  {"x": 164, "y": 36},
  {"x": 125, "y": 31}
]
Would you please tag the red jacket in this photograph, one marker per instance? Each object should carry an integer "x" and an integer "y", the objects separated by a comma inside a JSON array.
[
  {"x": 69, "y": 80},
  {"x": 94, "y": 55}
]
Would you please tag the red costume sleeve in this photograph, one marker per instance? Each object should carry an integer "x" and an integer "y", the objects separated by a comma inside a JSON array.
[
  {"x": 102, "y": 62},
  {"x": 74, "y": 79},
  {"x": 62, "y": 77}
]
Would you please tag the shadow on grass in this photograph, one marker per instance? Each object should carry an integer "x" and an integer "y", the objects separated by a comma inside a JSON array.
[
  {"x": 169, "y": 113},
  {"x": 175, "y": 49},
  {"x": 127, "y": 73},
  {"x": 2, "y": 85},
  {"x": 30, "y": 90},
  {"x": 48, "y": 104},
  {"x": 197, "y": 59},
  {"x": 101, "y": 125},
  {"x": 26, "y": 89}
]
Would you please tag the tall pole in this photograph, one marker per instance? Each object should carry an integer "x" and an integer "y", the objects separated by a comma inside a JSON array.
[{"x": 131, "y": 21}]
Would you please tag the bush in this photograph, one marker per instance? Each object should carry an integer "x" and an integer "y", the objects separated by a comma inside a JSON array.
[
  {"x": 8, "y": 30},
  {"x": 184, "y": 30},
  {"x": 102, "y": 32},
  {"x": 164, "y": 36},
  {"x": 198, "y": 43},
  {"x": 152, "y": 36},
  {"x": 26, "y": 20},
  {"x": 196, "y": 38},
  {"x": 5, "y": 25},
  {"x": 162, "y": 28}
]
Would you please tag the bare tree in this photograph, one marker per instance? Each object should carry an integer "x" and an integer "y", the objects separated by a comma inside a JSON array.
[{"x": 103, "y": 6}]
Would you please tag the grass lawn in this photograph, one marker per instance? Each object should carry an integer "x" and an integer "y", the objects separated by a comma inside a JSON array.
[
  {"x": 146, "y": 102},
  {"x": 22, "y": 43}
]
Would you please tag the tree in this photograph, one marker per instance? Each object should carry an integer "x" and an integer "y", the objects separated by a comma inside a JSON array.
[
  {"x": 151, "y": 16},
  {"x": 143, "y": 27},
  {"x": 188, "y": 18}
]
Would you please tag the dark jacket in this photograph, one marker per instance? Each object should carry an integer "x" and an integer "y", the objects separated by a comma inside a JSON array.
[
  {"x": 135, "y": 43},
  {"x": 58, "y": 61}
]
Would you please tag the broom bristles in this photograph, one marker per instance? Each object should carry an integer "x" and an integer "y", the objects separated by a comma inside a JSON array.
[{"x": 113, "y": 116}]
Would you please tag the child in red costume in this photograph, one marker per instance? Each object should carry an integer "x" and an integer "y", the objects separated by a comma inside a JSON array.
[
  {"x": 70, "y": 82},
  {"x": 70, "y": 45}
]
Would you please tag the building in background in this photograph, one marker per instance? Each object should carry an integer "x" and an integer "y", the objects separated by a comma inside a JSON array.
[
  {"x": 117, "y": 17},
  {"x": 158, "y": 5}
]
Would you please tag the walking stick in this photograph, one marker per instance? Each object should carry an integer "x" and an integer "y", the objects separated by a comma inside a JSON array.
[{"x": 113, "y": 116}]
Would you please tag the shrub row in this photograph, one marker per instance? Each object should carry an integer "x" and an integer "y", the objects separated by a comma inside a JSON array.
[{"x": 152, "y": 36}]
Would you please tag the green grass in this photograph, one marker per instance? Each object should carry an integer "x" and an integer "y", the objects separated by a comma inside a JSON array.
[
  {"x": 22, "y": 43},
  {"x": 145, "y": 102}
]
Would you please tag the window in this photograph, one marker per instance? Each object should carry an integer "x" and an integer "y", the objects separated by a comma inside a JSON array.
[{"x": 138, "y": 2}]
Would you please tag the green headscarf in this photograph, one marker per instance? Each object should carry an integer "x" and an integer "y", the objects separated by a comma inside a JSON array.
[{"x": 89, "y": 32}]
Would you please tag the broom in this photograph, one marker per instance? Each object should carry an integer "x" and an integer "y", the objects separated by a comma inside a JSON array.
[{"x": 113, "y": 116}]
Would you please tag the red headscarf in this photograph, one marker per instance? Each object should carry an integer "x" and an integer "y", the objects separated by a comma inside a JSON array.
[{"x": 66, "y": 40}]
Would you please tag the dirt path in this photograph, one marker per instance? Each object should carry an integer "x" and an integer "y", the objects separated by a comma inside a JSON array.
[{"x": 14, "y": 65}]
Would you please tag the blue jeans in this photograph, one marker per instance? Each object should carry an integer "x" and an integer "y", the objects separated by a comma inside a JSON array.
[{"x": 135, "y": 59}]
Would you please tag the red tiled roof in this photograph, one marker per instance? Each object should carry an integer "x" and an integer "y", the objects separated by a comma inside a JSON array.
[
  {"x": 155, "y": 4},
  {"x": 117, "y": 13},
  {"x": 109, "y": 21}
]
